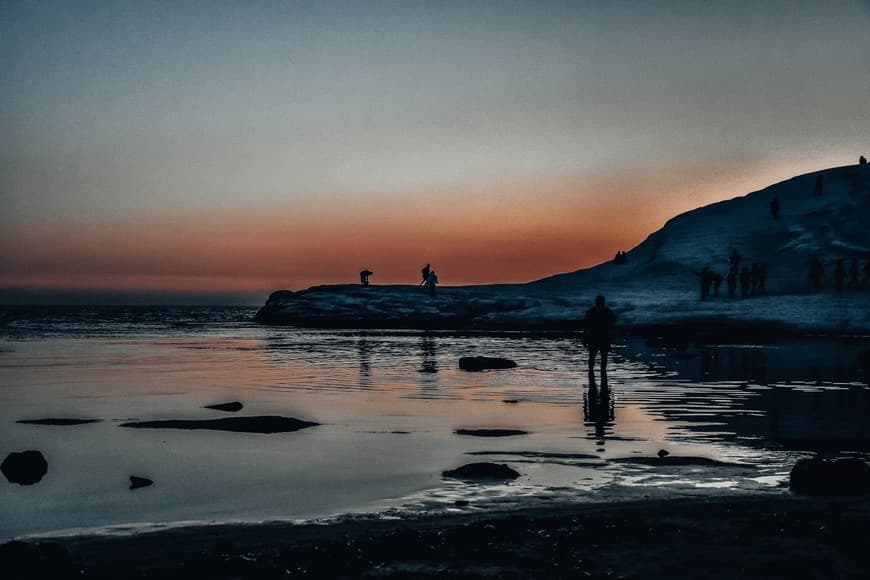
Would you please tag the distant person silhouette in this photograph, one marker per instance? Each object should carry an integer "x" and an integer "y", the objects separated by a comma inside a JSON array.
[
  {"x": 425, "y": 273},
  {"x": 734, "y": 260},
  {"x": 774, "y": 208},
  {"x": 732, "y": 282},
  {"x": 364, "y": 277},
  {"x": 839, "y": 275},
  {"x": 820, "y": 184},
  {"x": 706, "y": 277},
  {"x": 762, "y": 278},
  {"x": 862, "y": 160},
  {"x": 817, "y": 272},
  {"x": 745, "y": 277},
  {"x": 599, "y": 326},
  {"x": 853, "y": 273},
  {"x": 431, "y": 282}
]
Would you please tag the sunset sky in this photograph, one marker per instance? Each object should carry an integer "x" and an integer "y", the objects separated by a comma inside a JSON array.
[{"x": 233, "y": 148}]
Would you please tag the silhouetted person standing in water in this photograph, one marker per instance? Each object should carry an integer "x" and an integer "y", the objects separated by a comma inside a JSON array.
[
  {"x": 364, "y": 277},
  {"x": 425, "y": 273},
  {"x": 599, "y": 326},
  {"x": 774, "y": 208}
]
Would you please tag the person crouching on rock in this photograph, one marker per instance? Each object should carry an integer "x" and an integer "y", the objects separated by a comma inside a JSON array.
[
  {"x": 431, "y": 282},
  {"x": 599, "y": 326}
]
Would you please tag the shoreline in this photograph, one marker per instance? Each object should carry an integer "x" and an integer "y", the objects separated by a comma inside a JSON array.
[{"x": 715, "y": 536}]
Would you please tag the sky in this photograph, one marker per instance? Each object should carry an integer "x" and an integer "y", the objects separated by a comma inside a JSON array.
[{"x": 220, "y": 149}]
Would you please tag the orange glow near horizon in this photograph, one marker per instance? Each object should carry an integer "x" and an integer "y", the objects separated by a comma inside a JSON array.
[{"x": 471, "y": 235}]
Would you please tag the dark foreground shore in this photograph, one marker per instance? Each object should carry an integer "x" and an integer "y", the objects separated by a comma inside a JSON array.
[{"x": 739, "y": 537}]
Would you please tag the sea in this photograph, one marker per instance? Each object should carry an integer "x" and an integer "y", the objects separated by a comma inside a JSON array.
[{"x": 725, "y": 418}]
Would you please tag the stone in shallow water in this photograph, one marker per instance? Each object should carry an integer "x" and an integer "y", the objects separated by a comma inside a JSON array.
[
  {"x": 24, "y": 468},
  {"x": 56, "y": 421},
  {"x": 233, "y": 407},
  {"x": 830, "y": 477},
  {"x": 480, "y": 363},
  {"x": 263, "y": 424},
  {"x": 484, "y": 470},
  {"x": 137, "y": 482},
  {"x": 491, "y": 432}
]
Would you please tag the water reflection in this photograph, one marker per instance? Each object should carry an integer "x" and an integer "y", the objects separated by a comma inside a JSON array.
[
  {"x": 598, "y": 408},
  {"x": 428, "y": 353},
  {"x": 364, "y": 349}
]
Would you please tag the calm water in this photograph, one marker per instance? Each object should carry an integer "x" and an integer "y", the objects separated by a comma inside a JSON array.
[{"x": 389, "y": 404}]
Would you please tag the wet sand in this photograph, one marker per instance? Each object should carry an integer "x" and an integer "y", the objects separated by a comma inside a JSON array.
[{"x": 713, "y": 537}]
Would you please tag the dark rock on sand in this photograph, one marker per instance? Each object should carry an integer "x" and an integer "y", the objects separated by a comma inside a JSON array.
[
  {"x": 480, "y": 363},
  {"x": 264, "y": 424},
  {"x": 47, "y": 560},
  {"x": 483, "y": 470},
  {"x": 491, "y": 432},
  {"x": 53, "y": 421},
  {"x": 137, "y": 482},
  {"x": 228, "y": 407},
  {"x": 830, "y": 477},
  {"x": 24, "y": 468}
]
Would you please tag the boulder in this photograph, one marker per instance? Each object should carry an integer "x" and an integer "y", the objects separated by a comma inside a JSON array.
[
  {"x": 480, "y": 363},
  {"x": 233, "y": 407},
  {"x": 24, "y": 468},
  {"x": 137, "y": 482},
  {"x": 484, "y": 470},
  {"x": 830, "y": 477}
]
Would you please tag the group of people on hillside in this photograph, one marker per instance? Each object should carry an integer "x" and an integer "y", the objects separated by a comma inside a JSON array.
[
  {"x": 751, "y": 279},
  {"x": 841, "y": 274},
  {"x": 430, "y": 278}
]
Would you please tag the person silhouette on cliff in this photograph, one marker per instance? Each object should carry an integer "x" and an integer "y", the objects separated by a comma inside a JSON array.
[
  {"x": 599, "y": 327},
  {"x": 774, "y": 207}
]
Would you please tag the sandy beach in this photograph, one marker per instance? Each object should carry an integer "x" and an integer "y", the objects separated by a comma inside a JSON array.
[{"x": 703, "y": 537}]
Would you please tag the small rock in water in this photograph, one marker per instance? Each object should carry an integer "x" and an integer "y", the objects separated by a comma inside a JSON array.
[
  {"x": 461, "y": 502},
  {"x": 267, "y": 424},
  {"x": 480, "y": 363},
  {"x": 137, "y": 482},
  {"x": 484, "y": 470},
  {"x": 228, "y": 407},
  {"x": 830, "y": 477},
  {"x": 511, "y": 401},
  {"x": 24, "y": 468},
  {"x": 491, "y": 432},
  {"x": 56, "y": 421}
]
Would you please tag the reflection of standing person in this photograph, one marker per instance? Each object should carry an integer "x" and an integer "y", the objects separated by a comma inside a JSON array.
[
  {"x": 431, "y": 282},
  {"x": 598, "y": 406},
  {"x": 599, "y": 326},
  {"x": 425, "y": 273}
]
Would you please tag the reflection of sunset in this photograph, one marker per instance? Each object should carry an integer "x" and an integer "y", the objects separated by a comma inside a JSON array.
[{"x": 472, "y": 234}]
